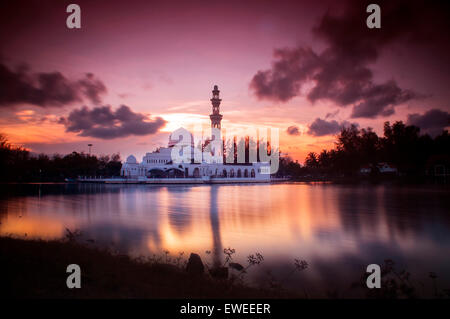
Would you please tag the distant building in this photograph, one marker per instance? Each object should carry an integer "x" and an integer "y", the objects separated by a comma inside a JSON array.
[
  {"x": 365, "y": 170},
  {"x": 385, "y": 168},
  {"x": 158, "y": 164},
  {"x": 381, "y": 168},
  {"x": 438, "y": 168}
]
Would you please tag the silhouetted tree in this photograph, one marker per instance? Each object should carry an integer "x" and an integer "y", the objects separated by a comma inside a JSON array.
[
  {"x": 402, "y": 145},
  {"x": 18, "y": 165},
  {"x": 311, "y": 160}
]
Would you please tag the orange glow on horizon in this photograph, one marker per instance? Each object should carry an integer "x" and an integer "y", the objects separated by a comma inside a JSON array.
[{"x": 48, "y": 132}]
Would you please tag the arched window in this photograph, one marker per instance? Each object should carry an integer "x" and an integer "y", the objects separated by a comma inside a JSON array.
[
  {"x": 239, "y": 174},
  {"x": 196, "y": 172},
  {"x": 224, "y": 173},
  {"x": 232, "y": 173},
  {"x": 252, "y": 173},
  {"x": 245, "y": 173}
]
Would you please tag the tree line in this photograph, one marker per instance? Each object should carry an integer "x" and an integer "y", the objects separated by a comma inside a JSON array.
[
  {"x": 17, "y": 164},
  {"x": 402, "y": 146}
]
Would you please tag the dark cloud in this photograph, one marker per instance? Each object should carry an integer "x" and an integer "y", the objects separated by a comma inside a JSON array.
[
  {"x": 323, "y": 127},
  {"x": 381, "y": 99},
  {"x": 293, "y": 130},
  {"x": 342, "y": 71},
  {"x": 432, "y": 122},
  {"x": 331, "y": 114},
  {"x": 290, "y": 70},
  {"x": 92, "y": 88},
  {"x": 103, "y": 122},
  {"x": 46, "y": 89}
]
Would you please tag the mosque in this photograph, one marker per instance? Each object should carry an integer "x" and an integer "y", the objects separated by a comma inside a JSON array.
[{"x": 159, "y": 166}]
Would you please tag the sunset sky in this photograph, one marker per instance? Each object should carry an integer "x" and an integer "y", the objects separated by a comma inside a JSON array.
[{"x": 137, "y": 70}]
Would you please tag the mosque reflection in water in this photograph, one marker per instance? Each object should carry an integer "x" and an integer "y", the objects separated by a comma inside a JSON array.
[{"x": 337, "y": 229}]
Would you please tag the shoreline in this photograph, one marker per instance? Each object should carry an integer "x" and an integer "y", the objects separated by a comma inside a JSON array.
[
  {"x": 37, "y": 269},
  {"x": 354, "y": 182}
]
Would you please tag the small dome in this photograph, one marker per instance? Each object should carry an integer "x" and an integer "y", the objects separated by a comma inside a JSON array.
[{"x": 131, "y": 159}]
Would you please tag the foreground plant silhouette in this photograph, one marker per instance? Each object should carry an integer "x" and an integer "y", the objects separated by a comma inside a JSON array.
[
  {"x": 398, "y": 284},
  {"x": 36, "y": 269}
]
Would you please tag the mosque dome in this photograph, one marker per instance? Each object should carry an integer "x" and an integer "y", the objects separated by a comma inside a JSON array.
[
  {"x": 176, "y": 136},
  {"x": 131, "y": 159}
]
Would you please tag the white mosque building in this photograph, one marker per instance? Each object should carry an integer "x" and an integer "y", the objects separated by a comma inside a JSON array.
[{"x": 158, "y": 166}]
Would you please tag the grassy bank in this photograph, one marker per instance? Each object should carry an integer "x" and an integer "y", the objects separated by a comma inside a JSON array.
[{"x": 37, "y": 269}]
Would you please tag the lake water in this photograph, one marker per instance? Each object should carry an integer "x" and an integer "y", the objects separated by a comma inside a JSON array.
[{"x": 337, "y": 229}]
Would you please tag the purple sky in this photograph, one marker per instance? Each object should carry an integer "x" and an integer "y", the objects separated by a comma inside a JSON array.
[{"x": 161, "y": 58}]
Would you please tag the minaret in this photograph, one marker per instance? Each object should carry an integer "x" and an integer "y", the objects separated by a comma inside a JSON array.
[{"x": 215, "y": 117}]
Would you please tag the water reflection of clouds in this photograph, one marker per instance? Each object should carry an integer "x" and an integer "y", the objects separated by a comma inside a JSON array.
[{"x": 325, "y": 224}]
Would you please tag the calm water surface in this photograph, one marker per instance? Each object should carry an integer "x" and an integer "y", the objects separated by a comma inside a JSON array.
[{"x": 337, "y": 229}]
